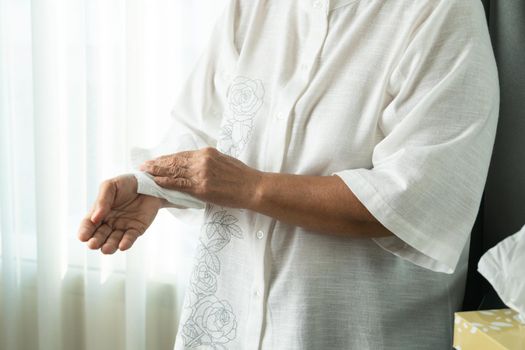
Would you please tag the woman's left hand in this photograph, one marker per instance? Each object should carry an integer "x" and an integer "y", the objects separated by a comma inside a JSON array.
[{"x": 208, "y": 175}]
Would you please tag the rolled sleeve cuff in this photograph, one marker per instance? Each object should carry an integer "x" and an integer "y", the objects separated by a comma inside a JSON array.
[{"x": 409, "y": 243}]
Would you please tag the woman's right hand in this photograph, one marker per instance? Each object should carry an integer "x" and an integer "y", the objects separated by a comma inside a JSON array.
[{"x": 119, "y": 216}]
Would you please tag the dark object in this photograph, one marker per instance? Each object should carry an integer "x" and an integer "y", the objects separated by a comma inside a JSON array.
[{"x": 502, "y": 209}]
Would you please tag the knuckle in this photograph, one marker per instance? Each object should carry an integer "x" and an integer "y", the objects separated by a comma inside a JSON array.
[
  {"x": 181, "y": 183},
  {"x": 156, "y": 169},
  {"x": 173, "y": 162}
]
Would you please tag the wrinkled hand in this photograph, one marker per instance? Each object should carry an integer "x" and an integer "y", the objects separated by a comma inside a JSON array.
[
  {"x": 119, "y": 215},
  {"x": 208, "y": 175}
]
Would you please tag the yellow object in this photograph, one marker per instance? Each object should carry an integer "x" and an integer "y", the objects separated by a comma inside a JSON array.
[{"x": 488, "y": 330}]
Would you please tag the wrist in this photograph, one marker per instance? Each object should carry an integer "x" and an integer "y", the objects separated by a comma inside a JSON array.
[{"x": 259, "y": 189}]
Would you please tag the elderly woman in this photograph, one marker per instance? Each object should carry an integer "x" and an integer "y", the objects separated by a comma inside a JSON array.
[{"x": 340, "y": 148}]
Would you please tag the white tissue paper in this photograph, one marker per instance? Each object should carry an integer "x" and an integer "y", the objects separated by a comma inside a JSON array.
[
  {"x": 504, "y": 267},
  {"x": 146, "y": 185}
]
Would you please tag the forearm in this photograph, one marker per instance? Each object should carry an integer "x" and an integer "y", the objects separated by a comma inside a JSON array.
[{"x": 323, "y": 204}]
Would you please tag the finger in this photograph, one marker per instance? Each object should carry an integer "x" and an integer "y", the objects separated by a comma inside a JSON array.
[
  {"x": 172, "y": 172},
  {"x": 111, "y": 244},
  {"x": 155, "y": 170},
  {"x": 179, "y": 183},
  {"x": 105, "y": 199},
  {"x": 86, "y": 229},
  {"x": 163, "y": 166},
  {"x": 100, "y": 236},
  {"x": 130, "y": 236}
]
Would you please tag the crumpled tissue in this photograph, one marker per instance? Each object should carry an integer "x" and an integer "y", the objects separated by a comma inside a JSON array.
[
  {"x": 168, "y": 145},
  {"x": 504, "y": 267}
]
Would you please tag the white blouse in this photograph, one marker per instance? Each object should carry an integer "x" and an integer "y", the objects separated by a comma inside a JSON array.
[{"x": 399, "y": 99}]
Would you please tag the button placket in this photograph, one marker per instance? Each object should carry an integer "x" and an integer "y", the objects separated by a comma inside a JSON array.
[
  {"x": 257, "y": 307},
  {"x": 277, "y": 146}
]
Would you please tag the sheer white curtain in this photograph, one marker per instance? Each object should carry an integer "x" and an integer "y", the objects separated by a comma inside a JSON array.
[{"x": 81, "y": 82}]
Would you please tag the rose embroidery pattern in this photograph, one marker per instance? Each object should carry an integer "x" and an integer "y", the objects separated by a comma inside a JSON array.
[
  {"x": 211, "y": 322},
  {"x": 245, "y": 98}
]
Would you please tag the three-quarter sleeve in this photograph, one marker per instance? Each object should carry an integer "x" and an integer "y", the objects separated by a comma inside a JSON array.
[
  {"x": 429, "y": 171},
  {"x": 196, "y": 114}
]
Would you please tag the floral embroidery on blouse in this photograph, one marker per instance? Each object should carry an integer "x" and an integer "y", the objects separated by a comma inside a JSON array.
[
  {"x": 211, "y": 322},
  {"x": 245, "y": 98}
]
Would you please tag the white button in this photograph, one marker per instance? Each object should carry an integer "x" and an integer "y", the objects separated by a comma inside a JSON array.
[
  {"x": 318, "y": 4},
  {"x": 260, "y": 234},
  {"x": 257, "y": 293},
  {"x": 279, "y": 116},
  {"x": 305, "y": 67}
]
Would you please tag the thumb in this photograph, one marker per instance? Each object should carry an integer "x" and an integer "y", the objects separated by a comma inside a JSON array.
[{"x": 106, "y": 196}]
